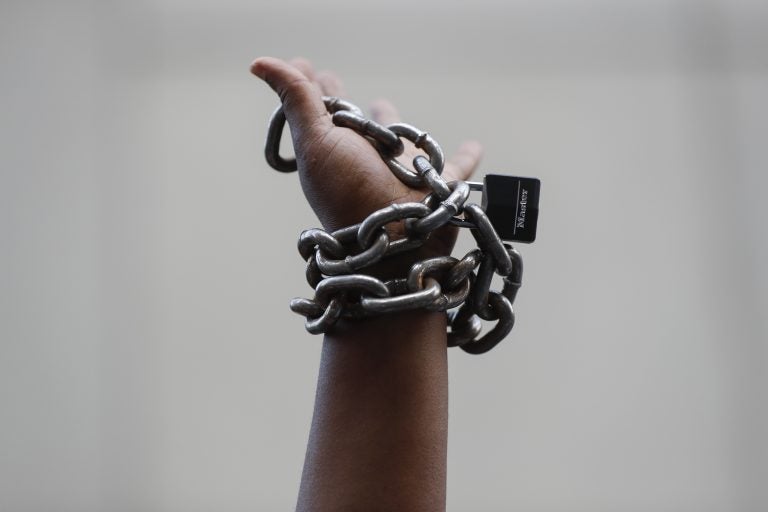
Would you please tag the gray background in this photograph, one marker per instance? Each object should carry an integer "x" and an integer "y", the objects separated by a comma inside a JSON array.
[{"x": 148, "y": 360}]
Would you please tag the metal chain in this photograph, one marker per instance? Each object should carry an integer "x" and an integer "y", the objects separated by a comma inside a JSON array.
[{"x": 460, "y": 287}]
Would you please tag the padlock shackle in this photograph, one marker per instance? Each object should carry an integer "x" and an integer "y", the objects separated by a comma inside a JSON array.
[{"x": 475, "y": 185}]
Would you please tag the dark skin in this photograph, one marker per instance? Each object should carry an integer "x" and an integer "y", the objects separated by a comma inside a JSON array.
[{"x": 379, "y": 433}]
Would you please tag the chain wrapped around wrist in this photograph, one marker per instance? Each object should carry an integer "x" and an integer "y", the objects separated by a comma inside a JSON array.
[{"x": 337, "y": 261}]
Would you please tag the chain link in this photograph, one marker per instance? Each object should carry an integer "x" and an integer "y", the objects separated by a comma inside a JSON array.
[
  {"x": 462, "y": 287},
  {"x": 277, "y": 123}
]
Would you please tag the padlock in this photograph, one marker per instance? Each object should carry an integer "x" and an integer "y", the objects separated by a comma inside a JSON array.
[{"x": 511, "y": 204}]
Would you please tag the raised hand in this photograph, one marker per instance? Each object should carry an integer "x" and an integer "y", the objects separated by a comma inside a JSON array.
[{"x": 343, "y": 176}]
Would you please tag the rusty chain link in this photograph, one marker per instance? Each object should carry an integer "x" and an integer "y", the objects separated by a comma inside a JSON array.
[{"x": 459, "y": 287}]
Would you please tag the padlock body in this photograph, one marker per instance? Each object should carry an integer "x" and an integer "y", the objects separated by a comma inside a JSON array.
[{"x": 512, "y": 206}]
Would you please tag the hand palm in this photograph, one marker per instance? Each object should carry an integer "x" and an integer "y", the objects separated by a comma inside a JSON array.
[
  {"x": 349, "y": 179},
  {"x": 343, "y": 176}
]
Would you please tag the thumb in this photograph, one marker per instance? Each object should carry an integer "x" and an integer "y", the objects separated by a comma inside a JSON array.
[{"x": 302, "y": 103}]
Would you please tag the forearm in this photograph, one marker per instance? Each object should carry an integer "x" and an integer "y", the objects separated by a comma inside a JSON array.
[{"x": 379, "y": 433}]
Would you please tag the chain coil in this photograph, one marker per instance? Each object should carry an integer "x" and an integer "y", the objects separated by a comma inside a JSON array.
[{"x": 460, "y": 287}]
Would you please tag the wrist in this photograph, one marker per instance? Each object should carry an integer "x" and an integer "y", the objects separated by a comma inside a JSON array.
[
  {"x": 393, "y": 329},
  {"x": 399, "y": 265}
]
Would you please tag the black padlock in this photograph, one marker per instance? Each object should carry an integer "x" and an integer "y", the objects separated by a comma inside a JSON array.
[{"x": 512, "y": 206}]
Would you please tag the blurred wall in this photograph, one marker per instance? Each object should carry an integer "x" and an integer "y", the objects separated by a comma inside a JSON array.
[{"x": 148, "y": 360}]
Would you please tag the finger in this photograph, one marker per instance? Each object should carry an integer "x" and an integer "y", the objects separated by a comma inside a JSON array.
[
  {"x": 301, "y": 99},
  {"x": 305, "y": 66},
  {"x": 330, "y": 84},
  {"x": 384, "y": 112},
  {"x": 464, "y": 162}
]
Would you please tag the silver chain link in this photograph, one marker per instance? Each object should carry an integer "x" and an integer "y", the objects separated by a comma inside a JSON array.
[{"x": 460, "y": 287}]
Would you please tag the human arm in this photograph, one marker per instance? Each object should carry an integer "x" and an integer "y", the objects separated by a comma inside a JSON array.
[{"x": 379, "y": 432}]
